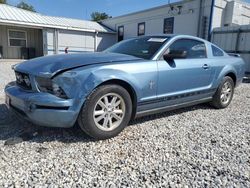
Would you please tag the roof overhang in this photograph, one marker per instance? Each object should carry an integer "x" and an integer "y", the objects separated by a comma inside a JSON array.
[{"x": 41, "y": 26}]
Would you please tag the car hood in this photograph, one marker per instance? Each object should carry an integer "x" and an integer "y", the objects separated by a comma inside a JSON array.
[{"x": 50, "y": 66}]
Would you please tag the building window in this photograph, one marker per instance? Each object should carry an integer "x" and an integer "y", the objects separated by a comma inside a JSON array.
[
  {"x": 168, "y": 25},
  {"x": 120, "y": 33},
  {"x": 17, "y": 38},
  {"x": 141, "y": 29}
]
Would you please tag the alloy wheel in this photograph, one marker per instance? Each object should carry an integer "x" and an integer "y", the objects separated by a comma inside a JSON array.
[
  {"x": 226, "y": 93},
  {"x": 109, "y": 112}
]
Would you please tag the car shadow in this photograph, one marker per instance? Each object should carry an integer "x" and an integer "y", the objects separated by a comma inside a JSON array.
[
  {"x": 168, "y": 114},
  {"x": 14, "y": 130},
  {"x": 246, "y": 81}
]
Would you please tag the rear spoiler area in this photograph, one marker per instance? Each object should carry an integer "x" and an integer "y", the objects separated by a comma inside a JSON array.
[{"x": 234, "y": 54}]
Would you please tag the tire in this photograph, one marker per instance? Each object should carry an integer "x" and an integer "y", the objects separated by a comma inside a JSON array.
[
  {"x": 106, "y": 112},
  {"x": 222, "y": 99}
]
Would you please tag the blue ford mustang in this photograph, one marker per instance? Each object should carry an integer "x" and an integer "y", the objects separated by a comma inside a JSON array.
[{"x": 136, "y": 77}]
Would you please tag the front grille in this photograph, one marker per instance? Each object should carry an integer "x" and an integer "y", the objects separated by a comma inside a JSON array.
[{"x": 23, "y": 80}]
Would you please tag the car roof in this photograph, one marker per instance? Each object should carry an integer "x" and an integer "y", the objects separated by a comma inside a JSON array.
[{"x": 177, "y": 36}]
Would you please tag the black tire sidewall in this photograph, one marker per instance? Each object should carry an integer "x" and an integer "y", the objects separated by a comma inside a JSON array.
[
  {"x": 86, "y": 120},
  {"x": 217, "y": 100}
]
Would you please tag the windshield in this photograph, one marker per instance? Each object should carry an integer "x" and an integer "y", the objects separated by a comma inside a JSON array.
[{"x": 142, "y": 47}]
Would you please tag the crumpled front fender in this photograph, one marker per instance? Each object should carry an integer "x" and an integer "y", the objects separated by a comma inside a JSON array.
[
  {"x": 96, "y": 78},
  {"x": 79, "y": 84}
]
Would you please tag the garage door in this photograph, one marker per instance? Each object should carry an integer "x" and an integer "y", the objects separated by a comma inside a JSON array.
[{"x": 76, "y": 41}]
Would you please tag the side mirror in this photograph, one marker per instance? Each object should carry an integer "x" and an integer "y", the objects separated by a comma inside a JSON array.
[{"x": 175, "y": 54}]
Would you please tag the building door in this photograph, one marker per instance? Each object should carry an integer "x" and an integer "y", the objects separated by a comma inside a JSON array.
[{"x": 120, "y": 33}]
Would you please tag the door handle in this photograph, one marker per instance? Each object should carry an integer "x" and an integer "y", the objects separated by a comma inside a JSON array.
[{"x": 205, "y": 66}]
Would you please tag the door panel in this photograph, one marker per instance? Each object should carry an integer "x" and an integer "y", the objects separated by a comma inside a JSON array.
[
  {"x": 184, "y": 75},
  {"x": 187, "y": 79}
]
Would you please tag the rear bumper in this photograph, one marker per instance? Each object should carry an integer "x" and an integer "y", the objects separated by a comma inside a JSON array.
[{"x": 42, "y": 108}]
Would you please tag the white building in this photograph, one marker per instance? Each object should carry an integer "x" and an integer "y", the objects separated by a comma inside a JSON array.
[
  {"x": 192, "y": 17},
  {"x": 24, "y": 34}
]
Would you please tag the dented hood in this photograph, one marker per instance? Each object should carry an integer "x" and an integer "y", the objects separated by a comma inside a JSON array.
[{"x": 49, "y": 66}]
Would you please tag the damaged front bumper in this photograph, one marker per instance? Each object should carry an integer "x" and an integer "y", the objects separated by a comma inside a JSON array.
[{"x": 42, "y": 109}]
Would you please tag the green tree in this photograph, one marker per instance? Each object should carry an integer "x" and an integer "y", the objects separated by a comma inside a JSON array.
[
  {"x": 99, "y": 16},
  {"x": 26, "y": 6},
  {"x": 3, "y": 1}
]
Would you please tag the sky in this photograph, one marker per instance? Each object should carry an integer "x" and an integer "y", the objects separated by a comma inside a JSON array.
[{"x": 81, "y": 9}]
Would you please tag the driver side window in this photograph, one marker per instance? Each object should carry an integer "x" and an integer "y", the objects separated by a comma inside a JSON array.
[{"x": 194, "y": 48}]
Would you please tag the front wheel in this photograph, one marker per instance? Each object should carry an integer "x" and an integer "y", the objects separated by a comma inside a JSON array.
[
  {"x": 106, "y": 112},
  {"x": 224, "y": 93}
]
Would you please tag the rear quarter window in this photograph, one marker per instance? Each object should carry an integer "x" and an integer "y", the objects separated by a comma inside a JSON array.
[{"x": 217, "y": 52}]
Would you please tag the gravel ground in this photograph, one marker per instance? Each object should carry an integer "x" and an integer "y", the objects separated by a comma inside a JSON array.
[{"x": 197, "y": 146}]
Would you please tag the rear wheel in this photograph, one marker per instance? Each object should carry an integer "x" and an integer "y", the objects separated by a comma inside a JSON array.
[
  {"x": 224, "y": 93},
  {"x": 106, "y": 112}
]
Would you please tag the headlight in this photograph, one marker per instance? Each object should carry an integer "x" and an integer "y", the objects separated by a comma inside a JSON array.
[
  {"x": 23, "y": 80},
  {"x": 58, "y": 91},
  {"x": 27, "y": 81},
  {"x": 48, "y": 86}
]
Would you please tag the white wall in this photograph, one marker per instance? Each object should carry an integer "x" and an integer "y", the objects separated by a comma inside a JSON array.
[
  {"x": 185, "y": 23},
  {"x": 105, "y": 40},
  {"x": 55, "y": 41},
  {"x": 76, "y": 41},
  {"x": 49, "y": 41},
  {"x": 241, "y": 14}
]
